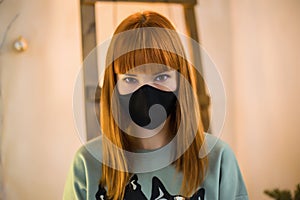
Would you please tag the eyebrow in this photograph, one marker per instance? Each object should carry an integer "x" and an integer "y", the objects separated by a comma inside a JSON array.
[
  {"x": 163, "y": 71},
  {"x": 130, "y": 75}
]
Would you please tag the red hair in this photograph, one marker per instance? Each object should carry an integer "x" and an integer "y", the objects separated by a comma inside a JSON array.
[{"x": 169, "y": 52}]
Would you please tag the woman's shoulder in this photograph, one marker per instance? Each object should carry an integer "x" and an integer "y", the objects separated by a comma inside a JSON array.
[
  {"x": 85, "y": 172},
  {"x": 216, "y": 148},
  {"x": 223, "y": 170},
  {"x": 91, "y": 150}
]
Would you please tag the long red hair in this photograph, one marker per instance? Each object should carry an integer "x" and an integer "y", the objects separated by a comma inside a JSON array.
[{"x": 169, "y": 51}]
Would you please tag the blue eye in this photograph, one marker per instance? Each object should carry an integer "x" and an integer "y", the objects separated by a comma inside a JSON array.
[
  {"x": 162, "y": 77},
  {"x": 130, "y": 80}
]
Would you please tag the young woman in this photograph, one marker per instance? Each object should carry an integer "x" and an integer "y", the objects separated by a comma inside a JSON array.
[{"x": 151, "y": 128}]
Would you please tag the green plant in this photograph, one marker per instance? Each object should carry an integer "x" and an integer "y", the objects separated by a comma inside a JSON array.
[{"x": 284, "y": 194}]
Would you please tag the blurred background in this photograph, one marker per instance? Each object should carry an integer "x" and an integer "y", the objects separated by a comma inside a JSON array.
[{"x": 255, "y": 45}]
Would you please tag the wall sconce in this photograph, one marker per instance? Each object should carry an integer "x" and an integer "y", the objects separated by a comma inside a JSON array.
[{"x": 20, "y": 44}]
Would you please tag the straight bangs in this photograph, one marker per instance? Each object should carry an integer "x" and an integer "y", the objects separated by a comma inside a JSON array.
[
  {"x": 145, "y": 45},
  {"x": 149, "y": 61}
]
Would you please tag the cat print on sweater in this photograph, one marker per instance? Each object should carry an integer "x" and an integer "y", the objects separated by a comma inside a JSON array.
[{"x": 159, "y": 192}]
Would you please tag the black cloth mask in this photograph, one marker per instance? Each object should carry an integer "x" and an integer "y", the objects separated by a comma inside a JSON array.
[{"x": 149, "y": 107}]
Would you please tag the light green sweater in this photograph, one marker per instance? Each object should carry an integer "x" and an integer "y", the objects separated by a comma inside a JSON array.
[{"x": 223, "y": 180}]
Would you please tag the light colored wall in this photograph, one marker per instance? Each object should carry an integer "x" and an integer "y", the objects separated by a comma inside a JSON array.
[
  {"x": 267, "y": 92},
  {"x": 214, "y": 25},
  {"x": 39, "y": 137},
  {"x": 1, "y": 140},
  {"x": 255, "y": 46}
]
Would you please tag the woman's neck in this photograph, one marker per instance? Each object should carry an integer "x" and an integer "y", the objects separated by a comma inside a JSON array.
[{"x": 141, "y": 138}]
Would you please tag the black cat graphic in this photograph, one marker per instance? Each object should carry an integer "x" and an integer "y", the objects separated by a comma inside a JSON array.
[
  {"x": 159, "y": 192},
  {"x": 133, "y": 192}
]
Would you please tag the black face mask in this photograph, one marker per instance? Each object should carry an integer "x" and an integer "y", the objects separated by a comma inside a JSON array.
[{"x": 138, "y": 104}]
